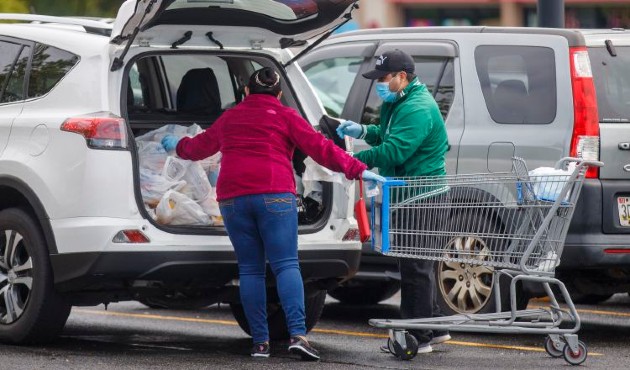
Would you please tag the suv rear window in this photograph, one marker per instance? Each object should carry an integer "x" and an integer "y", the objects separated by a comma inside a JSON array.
[
  {"x": 49, "y": 66},
  {"x": 612, "y": 83},
  {"x": 13, "y": 62},
  {"x": 518, "y": 83}
]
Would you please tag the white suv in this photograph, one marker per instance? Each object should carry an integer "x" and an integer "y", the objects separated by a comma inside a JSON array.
[{"x": 74, "y": 229}]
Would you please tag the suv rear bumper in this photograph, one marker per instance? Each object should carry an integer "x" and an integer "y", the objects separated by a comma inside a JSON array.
[
  {"x": 586, "y": 242},
  {"x": 115, "y": 270}
]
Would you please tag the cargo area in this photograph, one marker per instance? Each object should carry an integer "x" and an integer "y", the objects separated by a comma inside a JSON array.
[{"x": 182, "y": 95}]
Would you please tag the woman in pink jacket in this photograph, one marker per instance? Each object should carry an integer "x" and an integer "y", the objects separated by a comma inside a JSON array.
[{"x": 256, "y": 194}]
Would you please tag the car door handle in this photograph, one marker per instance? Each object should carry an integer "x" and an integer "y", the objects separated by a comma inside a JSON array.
[{"x": 624, "y": 146}]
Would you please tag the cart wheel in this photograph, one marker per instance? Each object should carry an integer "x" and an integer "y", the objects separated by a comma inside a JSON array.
[
  {"x": 390, "y": 346},
  {"x": 575, "y": 358},
  {"x": 552, "y": 349},
  {"x": 410, "y": 352}
]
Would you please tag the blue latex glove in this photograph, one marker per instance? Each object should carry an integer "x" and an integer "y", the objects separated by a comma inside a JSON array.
[
  {"x": 371, "y": 176},
  {"x": 169, "y": 142},
  {"x": 349, "y": 128}
]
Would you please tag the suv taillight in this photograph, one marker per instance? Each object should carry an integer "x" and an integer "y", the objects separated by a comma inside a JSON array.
[
  {"x": 585, "y": 139},
  {"x": 102, "y": 130}
]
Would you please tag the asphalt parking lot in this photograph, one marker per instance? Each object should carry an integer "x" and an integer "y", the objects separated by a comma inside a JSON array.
[{"x": 131, "y": 336}]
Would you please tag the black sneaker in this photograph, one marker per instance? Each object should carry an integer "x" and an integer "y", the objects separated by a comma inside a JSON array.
[
  {"x": 261, "y": 350},
  {"x": 302, "y": 347}
]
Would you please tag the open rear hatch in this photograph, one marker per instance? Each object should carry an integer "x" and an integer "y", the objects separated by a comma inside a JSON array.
[{"x": 158, "y": 79}]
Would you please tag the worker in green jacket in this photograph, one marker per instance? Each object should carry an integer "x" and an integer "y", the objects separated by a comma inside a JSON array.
[{"x": 411, "y": 140}]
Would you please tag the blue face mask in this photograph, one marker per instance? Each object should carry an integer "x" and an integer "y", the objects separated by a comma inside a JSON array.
[{"x": 382, "y": 90}]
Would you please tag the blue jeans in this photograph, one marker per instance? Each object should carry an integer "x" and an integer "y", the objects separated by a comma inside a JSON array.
[{"x": 261, "y": 227}]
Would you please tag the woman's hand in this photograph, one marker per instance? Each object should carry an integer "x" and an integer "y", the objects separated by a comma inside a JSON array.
[{"x": 169, "y": 142}]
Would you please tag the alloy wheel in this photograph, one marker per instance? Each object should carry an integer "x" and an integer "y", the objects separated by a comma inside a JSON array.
[
  {"x": 16, "y": 276},
  {"x": 466, "y": 288}
]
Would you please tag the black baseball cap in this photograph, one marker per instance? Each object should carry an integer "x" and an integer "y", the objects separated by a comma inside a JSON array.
[{"x": 390, "y": 62}]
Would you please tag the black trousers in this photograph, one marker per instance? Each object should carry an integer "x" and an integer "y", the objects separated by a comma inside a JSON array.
[
  {"x": 418, "y": 294},
  {"x": 417, "y": 276}
]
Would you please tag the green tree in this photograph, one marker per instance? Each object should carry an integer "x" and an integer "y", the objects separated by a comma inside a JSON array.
[
  {"x": 14, "y": 6},
  {"x": 89, "y": 8}
]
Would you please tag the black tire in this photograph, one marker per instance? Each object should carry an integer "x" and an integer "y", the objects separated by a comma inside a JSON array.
[
  {"x": 314, "y": 305},
  {"x": 365, "y": 292},
  {"x": 481, "y": 277},
  {"x": 580, "y": 298},
  {"x": 43, "y": 311}
]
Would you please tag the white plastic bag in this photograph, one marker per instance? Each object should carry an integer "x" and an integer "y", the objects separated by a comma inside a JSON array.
[
  {"x": 177, "y": 209},
  {"x": 174, "y": 168},
  {"x": 152, "y": 156},
  {"x": 153, "y": 187},
  {"x": 197, "y": 184},
  {"x": 548, "y": 182},
  {"x": 177, "y": 130},
  {"x": 314, "y": 173}
]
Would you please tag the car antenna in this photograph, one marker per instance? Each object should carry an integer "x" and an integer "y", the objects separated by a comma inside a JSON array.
[
  {"x": 118, "y": 61},
  {"x": 186, "y": 37},
  {"x": 347, "y": 16}
]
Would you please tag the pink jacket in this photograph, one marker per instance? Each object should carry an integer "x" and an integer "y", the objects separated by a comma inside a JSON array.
[{"x": 257, "y": 139}]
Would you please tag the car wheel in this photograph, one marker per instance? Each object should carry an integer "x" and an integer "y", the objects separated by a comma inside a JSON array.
[
  {"x": 365, "y": 292},
  {"x": 31, "y": 311},
  {"x": 466, "y": 288},
  {"x": 314, "y": 305}
]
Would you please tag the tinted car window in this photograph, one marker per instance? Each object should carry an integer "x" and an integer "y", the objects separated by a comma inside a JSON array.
[
  {"x": 612, "y": 83},
  {"x": 518, "y": 83},
  {"x": 332, "y": 80},
  {"x": 178, "y": 66},
  {"x": 433, "y": 72},
  {"x": 10, "y": 87},
  {"x": 49, "y": 66},
  {"x": 15, "y": 84}
]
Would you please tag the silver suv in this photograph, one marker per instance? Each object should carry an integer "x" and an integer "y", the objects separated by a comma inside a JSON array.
[
  {"x": 76, "y": 95},
  {"x": 540, "y": 94}
]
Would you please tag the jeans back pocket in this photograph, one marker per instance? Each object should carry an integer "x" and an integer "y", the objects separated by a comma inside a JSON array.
[
  {"x": 227, "y": 208},
  {"x": 280, "y": 203}
]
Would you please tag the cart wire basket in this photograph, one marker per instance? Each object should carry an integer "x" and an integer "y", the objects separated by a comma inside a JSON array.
[{"x": 501, "y": 223}]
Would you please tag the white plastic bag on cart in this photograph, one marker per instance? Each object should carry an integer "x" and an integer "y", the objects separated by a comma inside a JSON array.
[
  {"x": 548, "y": 182},
  {"x": 177, "y": 209}
]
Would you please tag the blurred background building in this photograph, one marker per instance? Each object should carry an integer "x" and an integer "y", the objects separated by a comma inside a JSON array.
[{"x": 578, "y": 13}]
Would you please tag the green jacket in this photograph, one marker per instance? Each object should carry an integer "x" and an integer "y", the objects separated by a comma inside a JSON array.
[{"x": 411, "y": 139}]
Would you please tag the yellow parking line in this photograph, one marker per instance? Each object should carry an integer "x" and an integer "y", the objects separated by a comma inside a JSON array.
[
  {"x": 594, "y": 312},
  {"x": 156, "y": 317},
  {"x": 316, "y": 330}
]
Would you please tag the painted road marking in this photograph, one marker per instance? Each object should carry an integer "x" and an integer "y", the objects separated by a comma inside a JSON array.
[{"x": 316, "y": 330}]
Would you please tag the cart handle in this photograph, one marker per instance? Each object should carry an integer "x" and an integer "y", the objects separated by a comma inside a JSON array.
[
  {"x": 391, "y": 182},
  {"x": 561, "y": 164}
]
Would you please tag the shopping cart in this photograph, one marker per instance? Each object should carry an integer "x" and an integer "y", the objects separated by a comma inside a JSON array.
[{"x": 500, "y": 223}]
